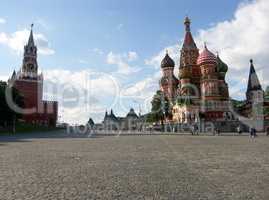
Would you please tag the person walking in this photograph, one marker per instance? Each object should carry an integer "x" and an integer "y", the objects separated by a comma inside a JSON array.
[
  {"x": 251, "y": 132},
  {"x": 196, "y": 129},
  {"x": 239, "y": 131},
  {"x": 217, "y": 131},
  {"x": 255, "y": 133},
  {"x": 192, "y": 130}
]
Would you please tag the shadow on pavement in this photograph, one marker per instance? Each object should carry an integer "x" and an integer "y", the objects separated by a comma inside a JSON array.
[{"x": 26, "y": 137}]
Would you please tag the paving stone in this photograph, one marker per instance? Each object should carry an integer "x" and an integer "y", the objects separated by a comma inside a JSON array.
[{"x": 134, "y": 167}]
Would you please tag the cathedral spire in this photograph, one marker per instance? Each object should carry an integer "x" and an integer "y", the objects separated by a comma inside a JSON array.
[
  {"x": 188, "y": 41},
  {"x": 187, "y": 23}
]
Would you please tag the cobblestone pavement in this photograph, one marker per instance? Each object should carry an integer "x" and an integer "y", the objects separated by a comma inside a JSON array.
[{"x": 134, "y": 167}]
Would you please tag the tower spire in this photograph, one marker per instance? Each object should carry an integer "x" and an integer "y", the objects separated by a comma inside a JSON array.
[
  {"x": 188, "y": 41},
  {"x": 31, "y": 37},
  {"x": 187, "y": 23},
  {"x": 29, "y": 65},
  {"x": 253, "y": 80}
]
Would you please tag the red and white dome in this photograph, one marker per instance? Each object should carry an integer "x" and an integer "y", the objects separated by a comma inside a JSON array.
[{"x": 207, "y": 57}]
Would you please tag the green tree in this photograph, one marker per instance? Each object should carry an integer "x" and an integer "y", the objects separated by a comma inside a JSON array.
[
  {"x": 156, "y": 109},
  {"x": 267, "y": 93},
  {"x": 160, "y": 108},
  {"x": 8, "y": 116},
  {"x": 266, "y": 98},
  {"x": 266, "y": 111}
]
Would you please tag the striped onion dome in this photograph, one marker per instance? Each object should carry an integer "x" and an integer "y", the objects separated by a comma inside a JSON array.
[{"x": 207, "y": 57}]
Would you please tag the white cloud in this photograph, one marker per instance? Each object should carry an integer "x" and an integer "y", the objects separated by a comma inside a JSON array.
[
  {"x": 132, "y": 56},
  {"x": 84, "y": 94},
  {"x": 155, "y": 61},
  {"x": 3, "y": 78},
  {"x": 3, "y": 21},
  {"x": 244, "y": 37},
  {"x": 81, "y": 94},
  {"x": 17, "y": 40},
  {"x": 142, "y": 91},
  {"x": 238, "y": 40},
  {"x": 121, "y": 60}
]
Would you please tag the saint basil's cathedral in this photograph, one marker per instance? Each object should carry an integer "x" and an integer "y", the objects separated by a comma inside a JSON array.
[{"x": 201, "y": 91}]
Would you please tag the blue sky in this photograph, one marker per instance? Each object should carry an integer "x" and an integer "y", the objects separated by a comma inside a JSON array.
[
  {"x": 131, "y": 35},
  {"x": 74, "y": 28}
]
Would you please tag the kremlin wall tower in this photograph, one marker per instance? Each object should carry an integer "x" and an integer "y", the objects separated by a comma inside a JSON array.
[{"x": 29, "y": 83}]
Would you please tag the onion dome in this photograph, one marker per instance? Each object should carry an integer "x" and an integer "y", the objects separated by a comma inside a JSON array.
[
  {"x": 167, "y": 61},
  {"x": 222, "y": 67},
  {"x": 207, "y": 57}
]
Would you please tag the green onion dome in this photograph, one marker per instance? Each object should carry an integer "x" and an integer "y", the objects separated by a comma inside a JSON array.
[{"x": 222, "y": 68}]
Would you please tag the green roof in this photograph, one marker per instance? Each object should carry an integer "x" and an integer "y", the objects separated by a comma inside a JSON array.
[{"x": 222, "y": 67}]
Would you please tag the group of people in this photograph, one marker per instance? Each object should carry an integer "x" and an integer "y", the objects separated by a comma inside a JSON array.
[{"x": 252, "y": 131}]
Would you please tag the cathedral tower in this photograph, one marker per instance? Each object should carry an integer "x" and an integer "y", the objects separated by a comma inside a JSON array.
[
  {"x": 189, "y": 71},
  {"x": 168, "y": 82},
  {"x": 222, "y": 69},
  {"x": 210, "y": 94},
  {"x": 209, "y": 83}
]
